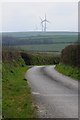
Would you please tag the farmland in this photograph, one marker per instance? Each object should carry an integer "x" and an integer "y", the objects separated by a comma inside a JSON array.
[
  {"x": 43, "y": 47},
  {"x": 39, "y": 41}
]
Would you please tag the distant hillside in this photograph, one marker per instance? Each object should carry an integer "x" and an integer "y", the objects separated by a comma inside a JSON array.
[
  {"x": 39, "y": 41},
  {"x": 27, "y": 34},
  {"x": 33, "y": 38}
]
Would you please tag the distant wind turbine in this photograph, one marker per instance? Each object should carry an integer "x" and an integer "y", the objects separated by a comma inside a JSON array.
[
  {"x": 35, "y": 28},
  {"x": 42, "y": 24},
  {"x": 45, "y": 23}
]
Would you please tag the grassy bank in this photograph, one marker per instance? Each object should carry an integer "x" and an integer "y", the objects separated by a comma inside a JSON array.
[
  {"x": 17, "y": 99},
  {"x": 68, "y": 71}
]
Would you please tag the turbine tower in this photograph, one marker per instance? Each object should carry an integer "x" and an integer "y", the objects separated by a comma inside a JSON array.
[{"x": 44, "y": 22}]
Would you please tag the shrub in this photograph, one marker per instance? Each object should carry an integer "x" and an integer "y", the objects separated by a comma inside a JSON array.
[
  {"x": 39, "y": 58},
  {"x": 71, "y": 55},
  {"x": 26, "y": 57}
]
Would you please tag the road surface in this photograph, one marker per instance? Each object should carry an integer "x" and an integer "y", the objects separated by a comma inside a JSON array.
[{"x": 55, "y": 95}]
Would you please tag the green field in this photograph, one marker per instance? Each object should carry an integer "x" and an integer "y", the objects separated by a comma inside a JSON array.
[
  {"x": 43, "y": 48},
  {"x": 26, "y": 34},
  {"x": 40, "y": 41}
]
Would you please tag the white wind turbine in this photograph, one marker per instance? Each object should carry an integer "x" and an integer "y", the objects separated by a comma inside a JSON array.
[{"x": 44, "y": 23}]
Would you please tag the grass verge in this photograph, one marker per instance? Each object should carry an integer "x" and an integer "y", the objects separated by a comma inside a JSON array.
[
  {"x": 68, "y": 70},
  {"x": 17, "y": 99}
]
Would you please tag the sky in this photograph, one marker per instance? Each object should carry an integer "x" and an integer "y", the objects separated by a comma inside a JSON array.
[{"x": 25, "y": 16}]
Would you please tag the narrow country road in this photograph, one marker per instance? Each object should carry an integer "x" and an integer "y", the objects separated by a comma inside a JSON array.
[{"x": 55, "y": 95}]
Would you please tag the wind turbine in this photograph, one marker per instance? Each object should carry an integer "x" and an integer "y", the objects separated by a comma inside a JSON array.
[{"x": 44, "y": 22}]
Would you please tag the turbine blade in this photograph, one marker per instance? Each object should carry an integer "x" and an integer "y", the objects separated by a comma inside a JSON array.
[
  {"x": 43, "y": 21},
  {"x": 47, "y": 21},
  {"x": 40, "y": 18}
]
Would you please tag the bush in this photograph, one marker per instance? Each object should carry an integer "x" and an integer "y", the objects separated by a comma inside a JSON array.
[
  {"x": 71, "y": 55},
  {"x": 26, "y": 57},
  {"x": 39, "y": 58},
  {"x": 9, "y": 54}
]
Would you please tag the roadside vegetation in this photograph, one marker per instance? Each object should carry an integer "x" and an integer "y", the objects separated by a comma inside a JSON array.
[
  {"x": 17, "y": 99},
  {"x": 31, "y": 58},
  {"x": 70, "y": 61},
  {"x": 68, "y": 70}
]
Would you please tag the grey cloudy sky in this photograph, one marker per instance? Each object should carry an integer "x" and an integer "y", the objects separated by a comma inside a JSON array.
[{"x": 25, "y": 16}]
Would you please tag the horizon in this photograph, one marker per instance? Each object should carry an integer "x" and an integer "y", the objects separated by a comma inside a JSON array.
[{"x": 35, "y": 31}]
